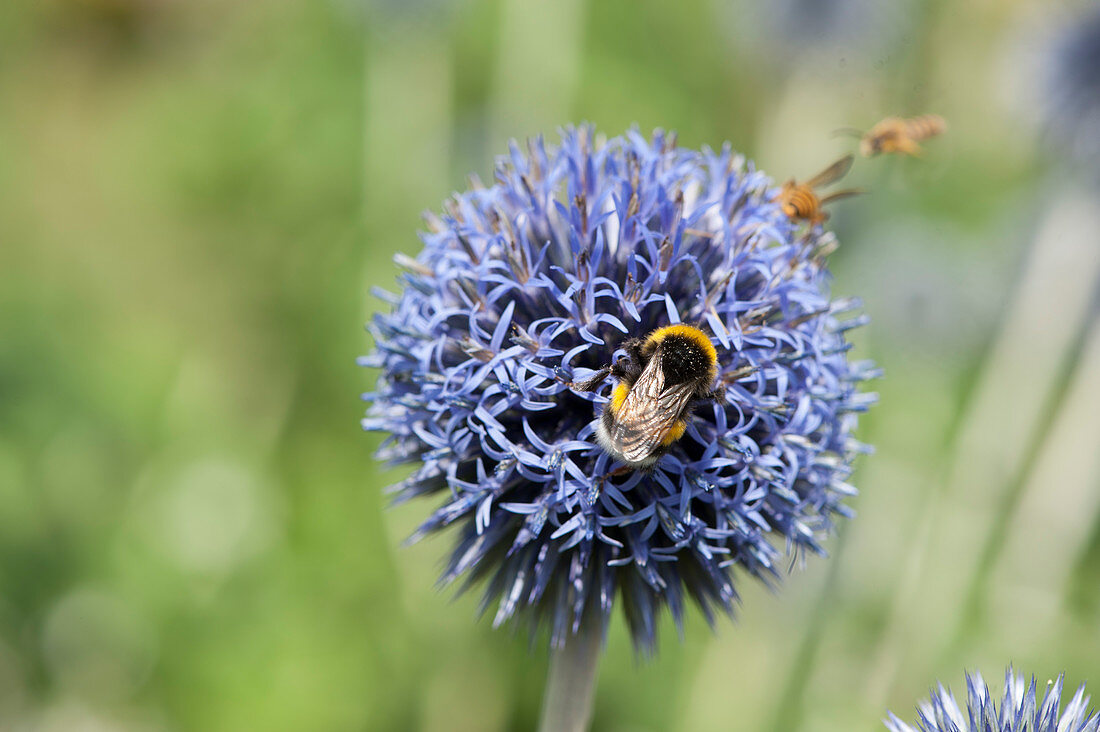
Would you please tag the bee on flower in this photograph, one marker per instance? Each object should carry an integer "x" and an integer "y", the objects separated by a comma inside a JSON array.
[{"x": 620, "y": 368}]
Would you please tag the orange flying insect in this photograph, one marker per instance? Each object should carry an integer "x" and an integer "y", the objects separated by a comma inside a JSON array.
[
  {"x": 800, "y": 200},
  {"x": 900, "y": 135}
]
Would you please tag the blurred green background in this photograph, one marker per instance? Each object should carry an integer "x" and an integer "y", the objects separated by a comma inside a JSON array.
[{"x": 195, "y": 198}]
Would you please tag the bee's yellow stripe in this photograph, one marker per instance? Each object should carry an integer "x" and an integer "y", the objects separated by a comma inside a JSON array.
[
  {"x": 675, "y": 433},
  {"x": 687, "y": 331},
  {"x": 618, "y": 396}
]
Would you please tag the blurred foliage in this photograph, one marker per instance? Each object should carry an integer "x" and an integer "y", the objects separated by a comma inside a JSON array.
[{"x": 195, "y": 200}]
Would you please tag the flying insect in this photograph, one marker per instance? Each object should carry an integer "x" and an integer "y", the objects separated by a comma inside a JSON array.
[
  {"x": 800, "y": 200},
  {"x": 899, "y": 135}
]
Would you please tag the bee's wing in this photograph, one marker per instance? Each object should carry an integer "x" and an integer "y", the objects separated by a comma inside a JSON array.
[
  {"x": 848, "y": 193},
  {"x": 834, "y": 172},
  {"x": 648, "y": 413}
]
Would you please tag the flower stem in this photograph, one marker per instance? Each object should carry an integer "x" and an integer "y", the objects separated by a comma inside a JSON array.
[{"x": 571, "y": 684}]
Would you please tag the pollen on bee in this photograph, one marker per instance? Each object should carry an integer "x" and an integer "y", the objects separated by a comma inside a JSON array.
[
  {"x": 618, "y": 396},
  {"x": 675, "y": 433}
]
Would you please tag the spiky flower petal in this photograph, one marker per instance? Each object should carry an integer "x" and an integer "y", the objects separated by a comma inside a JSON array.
[
  {"x": 529, "y": 285},
  {"x": 1017, "y": 711}
]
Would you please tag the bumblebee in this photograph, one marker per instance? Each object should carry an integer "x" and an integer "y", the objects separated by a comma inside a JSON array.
[
  {"x": 662, "y": 377},
  {"x": 800, "y": 200}
]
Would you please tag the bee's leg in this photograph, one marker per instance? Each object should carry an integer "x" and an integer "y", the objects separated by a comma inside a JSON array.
[
  {"x": 630, "y": 368},
  {"x": 717, "y": 395},
  {"x": 619, "y": 471},
  {"x": 592, "y": 382},
  {"x": 626, "y": 369}
]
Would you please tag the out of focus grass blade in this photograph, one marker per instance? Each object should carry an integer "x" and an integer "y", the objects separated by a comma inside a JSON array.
[
  {"x": 537, "y": 70},
  {"x": 407, "y": 134},
  {"x": 1043, "y": 319},
  {"x": 1057, "y": 510}
]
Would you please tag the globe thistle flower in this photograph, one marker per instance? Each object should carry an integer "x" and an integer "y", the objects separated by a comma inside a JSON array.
[
  {"x": 525, "y": 288},
  {"x": 1018, "y": 710}
]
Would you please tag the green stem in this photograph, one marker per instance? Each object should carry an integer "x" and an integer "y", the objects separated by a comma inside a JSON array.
[{"x": 571, "y": 683}]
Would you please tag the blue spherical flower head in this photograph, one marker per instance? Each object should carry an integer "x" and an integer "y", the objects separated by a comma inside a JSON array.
[
  {"x": 528, "y": 287},
  {"x": 1018, "y": 710}
]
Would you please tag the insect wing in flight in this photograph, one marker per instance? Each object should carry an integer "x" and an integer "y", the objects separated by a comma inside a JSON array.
[
  {"x": 833, "y": 173},
  {"x": 842, "y": 194}
]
